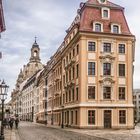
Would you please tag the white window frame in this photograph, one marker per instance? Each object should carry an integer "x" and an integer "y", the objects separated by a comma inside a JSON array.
[
  {"x": 119, "y": 27},
  {"x": 107, "y": 9},
  {"x": 94, "y": 26}
]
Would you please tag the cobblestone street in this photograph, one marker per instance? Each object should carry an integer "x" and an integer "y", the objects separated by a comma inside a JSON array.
[{"x": 29, "y": 131}]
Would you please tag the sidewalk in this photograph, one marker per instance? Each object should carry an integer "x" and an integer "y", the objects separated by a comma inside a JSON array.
[{"x": 11, "y": 134}]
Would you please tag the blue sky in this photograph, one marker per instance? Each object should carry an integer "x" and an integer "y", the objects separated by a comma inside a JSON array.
[{"x": 48, "y": 20}]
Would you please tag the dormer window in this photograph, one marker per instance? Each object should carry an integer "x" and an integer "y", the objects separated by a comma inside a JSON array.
[
  {"x": 97, "y": 27},
  {"x": 105, "y": 13},
  {"x": 115, "y": 28}
]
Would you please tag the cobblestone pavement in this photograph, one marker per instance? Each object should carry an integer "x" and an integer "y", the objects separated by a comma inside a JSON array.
[
  {"x": 30, "y": 131},
  {"x": 112, "y": 134}
]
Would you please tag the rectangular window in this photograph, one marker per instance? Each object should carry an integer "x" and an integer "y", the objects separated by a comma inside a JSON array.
[
  {"x": 107, "y": 47},
  {"x": 69, "y": 95},
  {"x": 76, "y": 117},
  {"x": 91, "y": 68},
  {"x": 66, "y": 97},
  {"x": 77, "y": 49},
  {"x": 91, "y": 117},
  {"x": 121, "y": 93},
  {"x": 73, "y": 52},
  {"x": 71, "y": 117},
  {"x": 73, "y": 94},
  {"x": 70, "y": 75},
  {"x": 107, "y": 92},
  {"x": 77, "y": 70},
  {"x": 105, "y": 14},
  {"x": 122, "y": 117},
  {"x": 73, "y": 72},
  {"x": 121, "y": 69},
  {"x": 107, "y": 69},
  {"x": 121, "y": 48},
  {"x": 91, "y": 92},
  {"x": 91, "y": 46},
  {"x": 77, "y": 94}
]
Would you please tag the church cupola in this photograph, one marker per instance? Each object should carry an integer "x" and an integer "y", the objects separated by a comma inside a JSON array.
[{"x": 35, "y": 50}]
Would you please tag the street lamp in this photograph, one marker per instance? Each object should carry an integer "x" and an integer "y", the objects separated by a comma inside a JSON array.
[
  {"x": 3, "y": 96},
  {"x": 62, "y": 122}
]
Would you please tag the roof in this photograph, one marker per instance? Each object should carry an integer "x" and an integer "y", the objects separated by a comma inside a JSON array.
[{"x": 108, "y": 4}]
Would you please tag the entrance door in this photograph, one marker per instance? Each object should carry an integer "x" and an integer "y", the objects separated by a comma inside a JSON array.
[{"x": 107, "y": 119}]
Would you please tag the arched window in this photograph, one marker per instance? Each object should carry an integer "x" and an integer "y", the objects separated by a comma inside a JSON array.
[
  {"x": 115, "y": 28},
  {"x": 98, "y": 27},
  {"x": 35, "y": 53}
]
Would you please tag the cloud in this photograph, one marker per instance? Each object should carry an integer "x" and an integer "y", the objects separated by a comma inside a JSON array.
[{"x": 48, "y": 20}]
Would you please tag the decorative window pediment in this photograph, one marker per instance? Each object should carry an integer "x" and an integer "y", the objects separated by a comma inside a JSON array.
[
  {"x": 107, "y": 81},
  {"x": 107, "y": 58}
]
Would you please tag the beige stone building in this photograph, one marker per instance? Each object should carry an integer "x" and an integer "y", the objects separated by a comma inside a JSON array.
[{"x": 90, "y": 80}]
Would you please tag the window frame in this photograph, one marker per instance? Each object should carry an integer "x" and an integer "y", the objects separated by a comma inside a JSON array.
[
  {"x": 122, "y": 95},
  {"x": 105, "y": 94},
  {"x": 108, "y": 13},
  {"x": 91, "y": 68},
  {"x": 107, "y": 47},
  {"x": 91, "y": 93},
  {"x": 94, "y": 27},
  {"x": 106, "y": 71},
  {"x": 91, "y": 45},
  {"x": 121, "y": 48},
  {"x": 122, "y": 72},
  {"x": 91, "y": 117},
  {"x": 112, "y": 28},
  {"x": 122, "y": 117}
]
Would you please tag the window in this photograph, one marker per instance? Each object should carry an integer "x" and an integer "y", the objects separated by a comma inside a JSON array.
[
  {"x": 71, "y": 117},
  {"x": 107, "y": 92},
  {"x": 91, "y": 68},
  {"x": 107, "y": 69},
  {"x": 91, "y": 46},
  {"x": 91, "y": 92},
  {"x": 77, "y": 49},
  {"x": 73, "y": 94},
  {"x": 77, "y": 93},
  {"x": 121, "y": 93},
  {"x": 121, "y": 48},
  {"x": 73, "y": 72},
  {"x": 91, "y": 117},
  {"x": 76, "y": 117},
  {"x": 70, "y": 75},
  {"x": 77, "y": 70},
  {"x": 107, "y": 47},
  {"x": 73, "y": 52},
  {"x": 98, "y": 27},
  {"x": 69, "y": 95},
  {"x": 105, "y": 14},
  {"x": 121, "y": 69},
  {"x": 122, "y": 117},
  {"x": 115, "y": 29}
]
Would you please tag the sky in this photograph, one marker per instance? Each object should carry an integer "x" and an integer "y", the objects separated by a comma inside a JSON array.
[{"x": 48, "y": 20}]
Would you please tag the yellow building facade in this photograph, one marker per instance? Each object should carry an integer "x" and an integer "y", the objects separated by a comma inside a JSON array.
[{"x": 90, "y": 78}]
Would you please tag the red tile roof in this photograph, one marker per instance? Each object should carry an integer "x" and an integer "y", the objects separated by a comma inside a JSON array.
[
  {"x": 108, "y": 4},
  {"x": 91, "y": 12}
]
